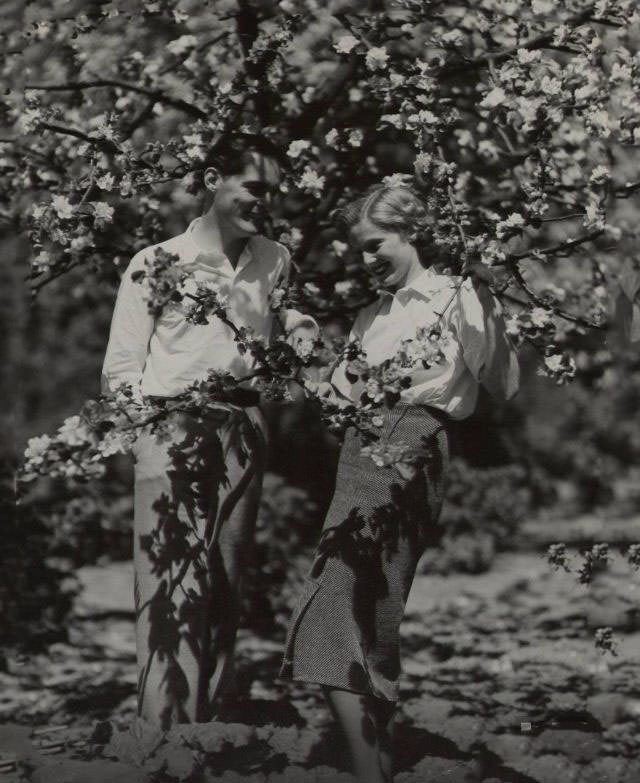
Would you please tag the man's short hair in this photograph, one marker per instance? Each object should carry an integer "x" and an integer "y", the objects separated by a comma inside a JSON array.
[{"x": 231, "y": 153}]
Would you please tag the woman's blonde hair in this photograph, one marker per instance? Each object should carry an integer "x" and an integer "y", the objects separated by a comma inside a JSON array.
[{"x": 392, "y": 208}]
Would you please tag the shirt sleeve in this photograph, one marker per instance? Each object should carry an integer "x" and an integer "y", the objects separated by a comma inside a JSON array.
[
  {"x": 487, "y": 350},
  {"x": 131, "y": 329}
]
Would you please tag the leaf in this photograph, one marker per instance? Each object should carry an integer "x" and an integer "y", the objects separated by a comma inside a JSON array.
[
  {"x": 212, "y": 737},
  {"x": 176, "y": 761},
  {"x": 135, "y": 744},
  {"x": 294, "y": 742}
]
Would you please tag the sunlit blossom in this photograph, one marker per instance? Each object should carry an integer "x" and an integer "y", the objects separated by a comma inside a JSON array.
[
  {"x": 376, "y": 58},
  {"x": 345, "y": 44}
]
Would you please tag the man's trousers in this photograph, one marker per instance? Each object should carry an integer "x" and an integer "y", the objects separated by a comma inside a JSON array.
[{"x": 196, "y": 502}]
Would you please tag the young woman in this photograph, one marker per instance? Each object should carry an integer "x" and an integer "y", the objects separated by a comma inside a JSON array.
[{"x": 344, "y": 633}]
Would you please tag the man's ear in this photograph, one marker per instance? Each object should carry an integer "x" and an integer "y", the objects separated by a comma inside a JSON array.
[{"x": 211, "y": 179}]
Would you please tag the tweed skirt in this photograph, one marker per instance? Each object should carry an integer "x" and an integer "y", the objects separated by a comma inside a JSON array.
[{"x": 345, "y": 628}]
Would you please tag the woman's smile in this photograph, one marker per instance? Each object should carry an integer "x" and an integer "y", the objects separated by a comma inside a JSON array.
[{"x": 379, "y": 268}]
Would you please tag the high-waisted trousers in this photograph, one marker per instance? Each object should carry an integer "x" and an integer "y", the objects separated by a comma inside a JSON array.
[{"x": 196, "y": 502}]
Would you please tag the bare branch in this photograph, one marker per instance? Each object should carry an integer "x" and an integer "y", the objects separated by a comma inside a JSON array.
[
  {"x": 561, "y": 248},
  {"x": 552, "y": 308}
]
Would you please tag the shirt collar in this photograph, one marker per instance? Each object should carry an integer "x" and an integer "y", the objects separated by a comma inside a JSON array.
[
  {"x": 426, "y": 284},
  {"x": 200, "y": 255}
]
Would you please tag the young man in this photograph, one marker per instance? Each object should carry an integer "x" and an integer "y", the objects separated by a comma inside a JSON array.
[{"x": 187, "y": 611}]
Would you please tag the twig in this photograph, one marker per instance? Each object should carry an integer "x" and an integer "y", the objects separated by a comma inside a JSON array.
[
  {"x": 556, "y": 310},
  {"x": 539, "y": 42},
  {"x": 157, "y": 95},
  {"x": 563, "y": 246}
]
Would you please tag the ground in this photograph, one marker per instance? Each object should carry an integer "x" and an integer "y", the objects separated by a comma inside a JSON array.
[{"x": 502, "y": 684}]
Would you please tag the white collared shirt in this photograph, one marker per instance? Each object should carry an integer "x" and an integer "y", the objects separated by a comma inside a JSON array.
[
  {"x": 164, "y": 354},
  {"x": 479, "y": 349}
]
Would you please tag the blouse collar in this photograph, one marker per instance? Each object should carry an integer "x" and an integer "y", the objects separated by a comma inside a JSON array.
[{"x": 426, "y": 284}]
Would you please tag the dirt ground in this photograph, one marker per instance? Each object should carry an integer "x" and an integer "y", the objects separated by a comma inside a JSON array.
[{"x": 502, "y": 683}]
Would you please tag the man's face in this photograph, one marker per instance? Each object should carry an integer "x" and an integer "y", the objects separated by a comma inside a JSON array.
[{"x": 242, "y": 200}]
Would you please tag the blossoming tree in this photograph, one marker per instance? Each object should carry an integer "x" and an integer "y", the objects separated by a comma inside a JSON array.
[{"x": 517, "y": 120}]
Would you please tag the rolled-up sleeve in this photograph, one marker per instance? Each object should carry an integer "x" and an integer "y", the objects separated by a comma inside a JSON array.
[
  {"x": 131, "y": 329},
  {"x": 487, "y": 350}
]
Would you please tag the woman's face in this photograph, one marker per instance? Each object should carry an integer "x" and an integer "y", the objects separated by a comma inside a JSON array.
[{"x": 388, "y": 256}]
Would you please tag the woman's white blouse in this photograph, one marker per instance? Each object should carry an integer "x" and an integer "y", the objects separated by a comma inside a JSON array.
[{"x": 478, "y": 349}]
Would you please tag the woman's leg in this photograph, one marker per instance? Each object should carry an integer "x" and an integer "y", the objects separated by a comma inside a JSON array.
[
  {"x": 365, "y": 722},
  {"x": 386, "y": 716}
]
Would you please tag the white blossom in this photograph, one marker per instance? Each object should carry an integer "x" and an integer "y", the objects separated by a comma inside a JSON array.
[
  {"x": 515, "y": 220},
  {"x": 305, "y": 347},
  {"x": 542, "y": 7},
  {"x": 601, "y": 121},
  {"x": 512, "y": 325},
  {"x": 62, "y": 206},
  {"x": 194, "y": 139},
  {"x": 345, "y": 44},
  {"x": 376, "y": 58},
  {"x": 586, "y": 91},
  {"x": 311, "y": 289},
  {"x": 28, "y": 120},
  {"x": 298, "y": 146},
  {"x": 113, "y": 442},
  {"x": 539, "y": 317},
  {"x": 393, "y": 119},
  {"x": 331, "y": 137},
  {"x": 180, "y": 45},
  {"x": 102, "y": 211},
  {"x": 550, "y": 85},
  {"x": 526, "y": 56},
  {"x": 311, "y": 181},
  {"x": 339, "y": 247},
  {"x": 464, "y": 136},
  {"x": 493, "y": 98},
  {"x": 423, "y": 162},
  {"x": 37, "y": 448},
  {"x": 593, "y": 215},
  {"x": 343, "y": 287},
  {"x": 620, "y": 72},
  {"x": 73, "y": 432},
  {"x": 79, "y": 243},
  {"x": 42, "y": 262},
  {"x": 195, "y": 153},
  {"x": 600, "y": 175},
  {"x": 394, "y": 180},
  {"x": 355, "y": 137},
  {"x": 106, "y": 181}
]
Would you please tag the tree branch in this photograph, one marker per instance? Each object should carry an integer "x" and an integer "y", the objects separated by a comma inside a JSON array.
[
  {"x": 157, "y": 95},
  {"x": 556, "y": 310},
  {"x": 539, "y": 42},
  {"x": 561, "y": 247}
]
